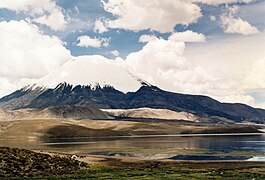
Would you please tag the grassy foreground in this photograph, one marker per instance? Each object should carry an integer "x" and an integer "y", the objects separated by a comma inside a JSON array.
[
  {"x": 172, "y": 173},
  {"x": 25, "y": 164}
]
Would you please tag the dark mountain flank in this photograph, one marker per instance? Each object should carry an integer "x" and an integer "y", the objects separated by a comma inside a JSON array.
[{"x": 147, "y": 96}]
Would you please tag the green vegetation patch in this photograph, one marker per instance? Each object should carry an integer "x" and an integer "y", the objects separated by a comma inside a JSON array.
[{"x": 169, "y": 173}]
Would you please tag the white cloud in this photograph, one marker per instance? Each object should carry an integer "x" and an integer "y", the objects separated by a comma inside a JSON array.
[
  {"x": 55, "y": 20},
  {"x": 147, "y": 38},
  {"x": 167, "y": 66},
  {"x": 239, "y": 98},
  {"x": 100, "y": 26},
  {"x": 256, "y": 76},
  {"x": 217, "y": 2},
  {"x": 44, "y": 12},
  {"x": 237, "y": 25},
  {"x": 27, "y": 54},
  {"x": 115, "y": 53},
  {"x": 86, "y": 41},
  {"x": 187, "y": 36},
  {"x": 212, "y": 18},
  {"x": 156, "y": 15},
  {"x": 225, "y": 69},
  {"x": 236, "y": 63},
  {"x": 231, "y": 24}
]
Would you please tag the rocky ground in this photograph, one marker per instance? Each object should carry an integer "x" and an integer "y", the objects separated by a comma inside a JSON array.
[
  {"x": 24, "y": 164},
  {"x": 17, "y": 163}
]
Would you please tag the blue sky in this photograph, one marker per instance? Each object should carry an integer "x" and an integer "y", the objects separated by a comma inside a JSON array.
[
  {"x": 83, "y": 14},
  {"x": 210, "y": 47},
  {"x": 127, "y": 41}
]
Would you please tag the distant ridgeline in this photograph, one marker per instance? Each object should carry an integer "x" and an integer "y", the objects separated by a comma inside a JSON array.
[{"x": 108, "y": 97}]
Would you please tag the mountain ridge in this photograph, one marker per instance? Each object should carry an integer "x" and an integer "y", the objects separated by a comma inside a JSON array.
[
  {"x": 149, "y": 96},
  {"x": 61, "y": 112},
  {"x": 96, "y": 82}
]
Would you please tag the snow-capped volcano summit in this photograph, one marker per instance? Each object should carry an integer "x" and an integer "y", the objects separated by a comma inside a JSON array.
[
  {"x": 100, "y": 83},
  {"x": 93, "y": 71}
]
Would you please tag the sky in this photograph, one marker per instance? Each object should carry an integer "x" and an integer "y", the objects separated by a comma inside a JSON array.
[{"x": 208, "y": 47}]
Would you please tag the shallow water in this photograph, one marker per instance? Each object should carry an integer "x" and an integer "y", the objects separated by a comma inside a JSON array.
[
  {"x": 214, "y": 142},
  {"x": 250, "y": 146}
]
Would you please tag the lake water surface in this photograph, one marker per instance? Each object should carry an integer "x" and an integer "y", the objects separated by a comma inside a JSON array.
[
  {"x": 214, "y": 142},
  {"x": 157, "y": 146}
]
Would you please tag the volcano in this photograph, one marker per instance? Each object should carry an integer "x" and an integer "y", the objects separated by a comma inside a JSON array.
[{"x": 96, "y": 82}]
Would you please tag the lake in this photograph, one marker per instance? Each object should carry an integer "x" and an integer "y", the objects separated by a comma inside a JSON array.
[{"x": 180, "y": 147}]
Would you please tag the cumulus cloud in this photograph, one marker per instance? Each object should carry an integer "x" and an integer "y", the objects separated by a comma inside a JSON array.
[
  {"x": 115, "y": 53},
  {"x": 9, "y": 85},
  {"x": 217, "y": 2},
  {"x": 27, "y": 54},
  {"x": 212, "y": 18},
  {"x": 146, "y": 38},
  {"x": 256, "y": 76},
  {"x": 100, "y": 26},
  {"x": 187, "y": 36},
  {"x": 231, "y": 24},
  {"x": 225, "y": 69},
  {"x": 167, "y": 66},
  {"x": 45, "y": 12},
  {"x": 86, "y": 41},
  {"x": 156, "y": 15},
  {"x": 55, "y": 20},
  {"x": 235, "y": 62}
]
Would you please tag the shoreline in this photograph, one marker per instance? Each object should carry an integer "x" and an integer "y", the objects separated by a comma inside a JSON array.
[{"x": 88, "y": 166}]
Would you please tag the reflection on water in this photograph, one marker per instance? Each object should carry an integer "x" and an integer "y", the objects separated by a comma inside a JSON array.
[
  {"x": 257, "y": 158},
  {"x": 149, "y": 144},
  {"x": 254, "y": 143}
]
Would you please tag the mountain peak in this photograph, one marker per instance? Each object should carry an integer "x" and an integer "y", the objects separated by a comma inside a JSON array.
[{"x": 93, "y": 71}]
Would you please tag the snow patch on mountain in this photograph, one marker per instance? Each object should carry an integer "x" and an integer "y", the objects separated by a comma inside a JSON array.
[{"x": 93, "y": 71}]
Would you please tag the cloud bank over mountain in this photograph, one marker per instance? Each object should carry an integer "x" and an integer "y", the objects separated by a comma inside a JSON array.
[
  {"x": 208, "y": 47},
  {"x": 27, "y": 54}
]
